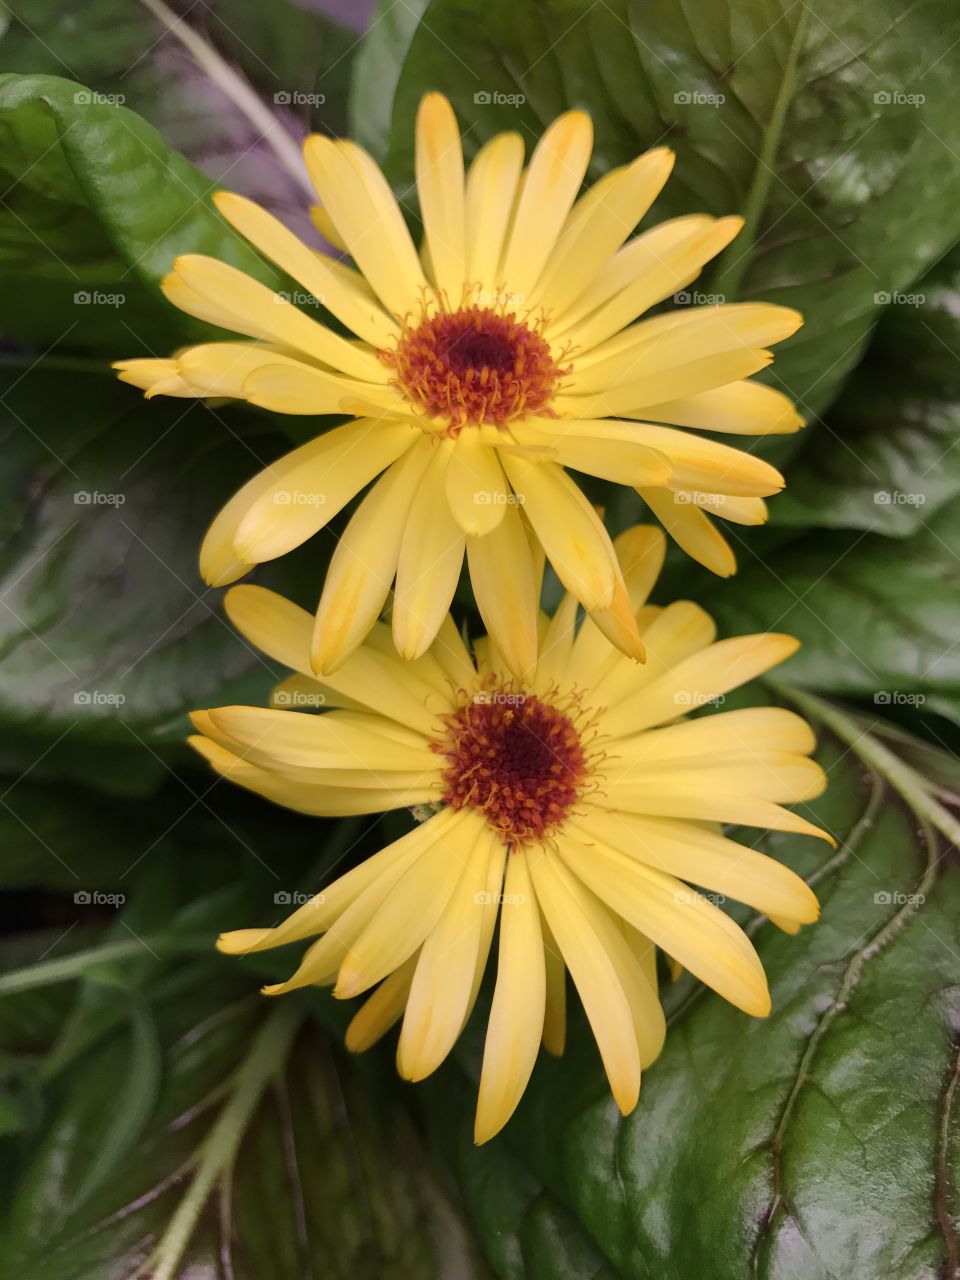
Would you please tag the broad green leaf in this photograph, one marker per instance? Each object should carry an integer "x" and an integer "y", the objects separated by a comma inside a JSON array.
[
  {"x": 876, "y": 617},
  {"x": 820, "y": 1142},
  {"x": 96, "y": 208},
  {"x": 107, "y": 633},
  {"x": 264, "y": 1154},
  {"x": 886, "y": 459},
  {"x": 807, "y": 118}
]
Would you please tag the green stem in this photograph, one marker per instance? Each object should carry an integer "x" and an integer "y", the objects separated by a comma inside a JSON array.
[
  {"x": 238, "y": 91},
  {"x": 905, "y": 780},
  {"x": 46, "y": 972},
  {"x": 734, "y": 260},
  {"x": 266, "y": 1058}
]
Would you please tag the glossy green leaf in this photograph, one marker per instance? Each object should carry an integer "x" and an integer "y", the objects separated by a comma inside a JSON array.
[
  {"x": 820, "y": 1142},
  {"x": 886, "y": 458},
  {"x": 96, "y": 208},
  {"x": 806, "y": 118}
]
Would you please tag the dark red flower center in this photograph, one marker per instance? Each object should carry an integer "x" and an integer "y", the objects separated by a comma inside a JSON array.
[
  {"x": 474, "y": 366},
  {"x": 518, "y": 759}
]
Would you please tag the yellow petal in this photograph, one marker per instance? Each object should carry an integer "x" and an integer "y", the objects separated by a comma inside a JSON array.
[
  {"x": 683, "y": 923},
  {"x": 441, "y": 988},
  {"x": 691, "y": 529},
  {"x": 594, "y": 974},
  {"x": 155, "y": 377},
  {"x": 439, "y": 167},
  {"x": 431, "y": 555},
  {"x": 257, "y": 311},
  {"x": 306, "y": 496},
  {"x": 334, "y": 286},
  {"x": 556, "y": 171},
  {"x": 491, "y": 191},
  {"x": 516, "y": 1015},
  {"x": 741, "y": 408},
  {"x": 302, "y": 389},
  {"x": 365, "y": 561},
  {"x": 379, "y": 1012},
  {"x": 555, "y": 1007},
  {"x": 359, "y": 201},
  {"x": 507, "y": 601},
  {"x": 571, "y": 532},
  {"x": 476, "y": 489}
]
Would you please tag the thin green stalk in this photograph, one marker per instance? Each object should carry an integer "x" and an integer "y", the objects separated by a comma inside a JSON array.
[
  {"x": 45, "y": 972},
  {"x": 910, "y": 784},
  {"x": 733, "y": 261},
  {"x": 266, "y": 1058}
]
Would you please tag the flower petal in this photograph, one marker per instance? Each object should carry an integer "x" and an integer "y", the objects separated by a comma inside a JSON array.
[{"x": 439, "y": 166}]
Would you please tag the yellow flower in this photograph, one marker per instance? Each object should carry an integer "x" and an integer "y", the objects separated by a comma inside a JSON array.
[
  {"x": 574, "y": 806},
  {"x": 480, "y": 369}
]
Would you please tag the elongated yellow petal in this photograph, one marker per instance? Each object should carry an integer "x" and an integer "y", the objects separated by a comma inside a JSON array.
[
  {"x": 706, "y": 466},
  {"x": 685, "y": 924},
  {"x": 556, "y": 171},
  {"x": 586, "y": 245},
  {"x": 569, "y": 529},
  {"x": 746, "y": 730},
  {"x": 439, "y": 167},
  {"x": 441, "y": 988},
  {"x": 302, "y": 389},
  {"x": 477, "y": 492},
  {"x": 379, "y": 1012},
  {"x": 414, "y": 906},
  {"x": 516, "y": 1015},
  {"x": 692, "y": 853},
  {"x": 507, "y": 602},
  {"x": 594, "y": 974},
  {"x": 741, "y": 408},
  {"x": 365, "y": 561},
  {"x": 307, "y": 495},
  {"x": 260, "y": 313},
  {"x": 333, "y": 285},
  {"x": 155, "y": 377},
  {"x": 691, "y": 529},
  {"x": 491, "y": 192},
  {"x": 555, "y": 1006},
  {"x": 431, "y": 555},
  {"x": 359, "y": 201}
]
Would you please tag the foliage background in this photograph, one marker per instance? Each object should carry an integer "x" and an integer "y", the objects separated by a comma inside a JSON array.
[{"x": 157, "y": 1118}]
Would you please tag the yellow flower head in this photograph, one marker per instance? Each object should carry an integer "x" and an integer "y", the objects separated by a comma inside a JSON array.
[
  {"x": 574, "y": 806},
  {"x": 483, "y": 367}
]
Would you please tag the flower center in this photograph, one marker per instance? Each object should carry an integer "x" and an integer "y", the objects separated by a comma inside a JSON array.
[
  {"x": 475, "y": 366},
  {"x": 518, "y": 759}
]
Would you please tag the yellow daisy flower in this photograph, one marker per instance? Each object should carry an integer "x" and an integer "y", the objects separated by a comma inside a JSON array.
[
  {"x": 479, "y": 371},
  {"x": 574, "y": 806}
]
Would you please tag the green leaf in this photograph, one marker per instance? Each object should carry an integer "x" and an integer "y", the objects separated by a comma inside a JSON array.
[
  {"x": 107, "y": 633},
  {"x": 846, "y": 194},
  {"x": 820, "y": 1142},
  {"x": 96, "y": 208},
  {"x": 263, "y": 1153},
  {"x": 876, "y": 618},
  {"x": 886, "y": 460}
]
